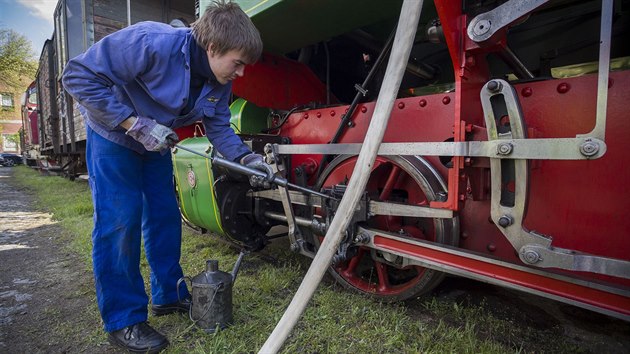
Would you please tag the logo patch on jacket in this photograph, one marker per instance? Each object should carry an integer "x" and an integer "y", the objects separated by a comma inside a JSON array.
[{"x": 213, "y": 99}]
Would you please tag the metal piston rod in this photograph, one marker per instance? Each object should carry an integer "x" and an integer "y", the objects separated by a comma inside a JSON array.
[{"x": 236, "y": 167}]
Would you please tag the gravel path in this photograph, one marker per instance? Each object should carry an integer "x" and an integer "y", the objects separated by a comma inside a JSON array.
[{"x": 44, "y": 289}]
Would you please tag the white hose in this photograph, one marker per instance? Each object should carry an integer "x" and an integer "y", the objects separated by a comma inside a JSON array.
[{"x": 405, "y": 34}]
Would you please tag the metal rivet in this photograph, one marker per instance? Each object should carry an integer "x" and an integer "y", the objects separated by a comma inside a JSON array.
[
  {"x": 422, "y": 103},
  {"x": 401, "y": 105},
  {"x": 527, "y": 91},
  {"x": 563, "y": 87},
  {"x": 319, "y": 114},
  {"x": 446, "y": 100},
  {"x": 363, "y": 109},
  {"x": 332, "y": 113},
  {"x": 491, "y": 247}
]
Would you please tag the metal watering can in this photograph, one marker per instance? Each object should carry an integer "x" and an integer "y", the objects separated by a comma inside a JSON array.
[{"x": 211, "y": 305}]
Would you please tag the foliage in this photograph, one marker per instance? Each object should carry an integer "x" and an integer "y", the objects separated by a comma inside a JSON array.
[{"x": 16, "y": 59}]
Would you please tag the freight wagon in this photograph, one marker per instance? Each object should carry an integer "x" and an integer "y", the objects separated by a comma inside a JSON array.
[{"x": 79, "y": 24}]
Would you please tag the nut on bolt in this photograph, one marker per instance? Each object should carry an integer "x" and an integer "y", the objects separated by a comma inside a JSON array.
[
  {"x": 362, "y": 238},
  {"x": 589, "y": 148},
  {"x": 295, "y": 247},
  {"x": 505, "y": 221},
  {"x": 482, "y": 27},
  {"x": 531, "y": 256},
  {"x": 504, "y": 149},
  {"x": 494, "y": 86}
]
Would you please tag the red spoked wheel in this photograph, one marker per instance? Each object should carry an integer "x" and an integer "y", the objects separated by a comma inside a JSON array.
[{"x": 398, "y": 179}]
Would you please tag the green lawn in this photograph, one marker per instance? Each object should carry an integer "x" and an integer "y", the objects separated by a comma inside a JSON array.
[{"x": 336, "y": 321}]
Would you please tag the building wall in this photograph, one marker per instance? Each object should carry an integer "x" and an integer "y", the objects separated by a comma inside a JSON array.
[{"x": 10, "y": 116}]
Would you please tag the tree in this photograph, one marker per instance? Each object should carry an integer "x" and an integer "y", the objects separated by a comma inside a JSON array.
[{"x": 16, "y": 59}]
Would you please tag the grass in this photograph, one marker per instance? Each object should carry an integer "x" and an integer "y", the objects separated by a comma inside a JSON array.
[{"x": 336, "y": 321}]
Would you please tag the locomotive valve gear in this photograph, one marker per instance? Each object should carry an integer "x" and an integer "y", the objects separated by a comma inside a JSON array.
[
  {"x": 257, "y": 162},
  {"x": 151, "y": 134}
]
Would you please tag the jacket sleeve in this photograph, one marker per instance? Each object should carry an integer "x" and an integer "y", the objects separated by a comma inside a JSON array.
[
  {"x": 113, "y": 61},
  {"x": 220, "y": 133}
]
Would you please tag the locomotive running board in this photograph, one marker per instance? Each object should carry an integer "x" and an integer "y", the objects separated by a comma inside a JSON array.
[{"x": 611, "y": 301}]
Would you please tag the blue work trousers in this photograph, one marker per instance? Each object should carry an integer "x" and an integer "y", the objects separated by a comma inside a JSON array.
[{"x": 133, "y": 195}]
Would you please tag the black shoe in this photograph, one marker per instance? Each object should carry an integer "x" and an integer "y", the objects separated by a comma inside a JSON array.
[
  {"x": 138, "y": 338},
  {"x": 182, "y": 306}
]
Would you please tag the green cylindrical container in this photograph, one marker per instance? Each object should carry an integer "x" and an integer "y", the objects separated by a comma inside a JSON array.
[{"x": 195, "y": 185}]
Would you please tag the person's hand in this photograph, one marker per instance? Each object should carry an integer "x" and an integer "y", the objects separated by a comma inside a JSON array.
[
  {"x": 151, "y": 134},
  {"x": 257, "y": 161}
]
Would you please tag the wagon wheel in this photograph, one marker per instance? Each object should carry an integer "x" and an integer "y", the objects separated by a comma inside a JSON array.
[{"x": 400, "y": 179}]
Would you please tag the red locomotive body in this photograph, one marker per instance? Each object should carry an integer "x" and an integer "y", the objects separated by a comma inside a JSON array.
[{"x": 505, "y": 168}]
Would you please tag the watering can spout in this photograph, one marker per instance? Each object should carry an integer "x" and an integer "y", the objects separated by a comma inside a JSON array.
[{"x": 237, "y": 265}]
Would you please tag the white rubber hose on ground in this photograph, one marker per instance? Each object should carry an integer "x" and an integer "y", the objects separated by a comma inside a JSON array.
[{"x": 405, "y": 34}]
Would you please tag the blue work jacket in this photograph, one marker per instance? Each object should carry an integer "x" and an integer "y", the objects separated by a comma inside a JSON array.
[{"x": 144, "y": 70}]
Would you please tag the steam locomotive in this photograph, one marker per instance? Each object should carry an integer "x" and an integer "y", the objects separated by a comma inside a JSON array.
[{"x": 504, "y": 158}]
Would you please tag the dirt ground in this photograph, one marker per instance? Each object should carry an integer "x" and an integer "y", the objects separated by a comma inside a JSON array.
[{"x": 45, "y": 291}]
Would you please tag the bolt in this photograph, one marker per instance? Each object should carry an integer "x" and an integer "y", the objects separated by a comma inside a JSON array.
[
  {"x": 305, "y": 115},
  {"x": 482, "y": 27},
  {"x": 505, "y": 221},
  {"x": 363, "y": 109},
  {"x": 504, "y": 149},
  {"x": 332, "y": 113},
  {"x": 422, "y": 103},
  {"x": 491, "y": 247},
  {"x": 295, "y": 247},
  {"x": 446, "y": 100},
  {"x": 401, "y": 105},
  {"x": 319, "y": 114},
  {"x": 338, "y": 258},
  {"x": 531, "y": 256},
  {"x": 494, "y": 86},
  {"x": 527, "y": 91},
  {"x": 589, "y": 148},
  {"x": 362, "y": 238},
  {"x": 441, "y": 196}
]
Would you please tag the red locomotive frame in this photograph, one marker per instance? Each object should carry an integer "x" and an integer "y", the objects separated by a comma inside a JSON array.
[{"x": 577, "y": 202}]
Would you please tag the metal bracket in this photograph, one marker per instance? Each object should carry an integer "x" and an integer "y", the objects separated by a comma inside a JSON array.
[
  {"x": 295, "y": 236},
  {"x": 508, "y": 207},
  {"x": 485, "y": 25}
]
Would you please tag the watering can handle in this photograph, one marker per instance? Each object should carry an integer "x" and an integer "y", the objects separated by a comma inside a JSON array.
[{"x": 182, "y": 279}]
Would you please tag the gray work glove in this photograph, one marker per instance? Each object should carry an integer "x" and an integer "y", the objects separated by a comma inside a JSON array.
[
  {"x": 151, "y": 134},
  {"x": 257, "y": 161}
]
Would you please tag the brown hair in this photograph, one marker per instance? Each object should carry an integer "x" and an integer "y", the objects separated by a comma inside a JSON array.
[{"x": 226, "y": 26}]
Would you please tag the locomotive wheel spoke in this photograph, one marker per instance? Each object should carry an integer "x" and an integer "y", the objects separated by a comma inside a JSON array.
[
  {"x": 350, "y": 270},
  {"x": 399, "y": 180},
  {"x": 383, "y": 279}
]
